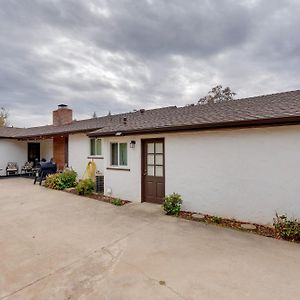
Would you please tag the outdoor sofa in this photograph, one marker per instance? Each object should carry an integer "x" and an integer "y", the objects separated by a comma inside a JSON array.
[{"x": 12, "y": 168}]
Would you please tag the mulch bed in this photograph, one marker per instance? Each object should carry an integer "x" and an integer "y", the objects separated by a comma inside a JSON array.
[
  {"x": 232, "y": 223},
  {"x": 99, "y": 197},
  {"x": 267, "y": 231}
]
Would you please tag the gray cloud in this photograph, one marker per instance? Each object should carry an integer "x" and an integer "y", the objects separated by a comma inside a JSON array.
[{"x": 102, "y": 56}]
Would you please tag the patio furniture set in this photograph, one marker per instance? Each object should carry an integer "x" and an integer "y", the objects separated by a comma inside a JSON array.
[
  {"x": 46, "y": 169},
  {"x": 38, "y": 170},
  {"x": 12, "y": 168}
]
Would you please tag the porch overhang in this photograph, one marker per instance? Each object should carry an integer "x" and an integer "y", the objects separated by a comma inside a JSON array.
[{"x": 49, "y": 136}]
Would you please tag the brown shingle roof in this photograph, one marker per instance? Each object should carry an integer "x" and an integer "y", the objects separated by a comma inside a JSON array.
[
  {"x": 274, "y": 108},
  {"x": 281, "y": 107},
  {"x": 9, "y": 132},
  {"x": 51, "y": 130}
]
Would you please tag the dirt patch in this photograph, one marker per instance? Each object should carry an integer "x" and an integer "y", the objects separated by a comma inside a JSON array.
[
  {"x": 99, "y": 197},
  {"x": 231, "y": 223}
]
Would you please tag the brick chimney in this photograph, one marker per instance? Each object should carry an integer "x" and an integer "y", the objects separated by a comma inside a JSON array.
[{"x": 63, "y": 115}]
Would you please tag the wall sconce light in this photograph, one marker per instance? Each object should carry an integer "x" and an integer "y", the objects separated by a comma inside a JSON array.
[{"x": 132, "y": 144}]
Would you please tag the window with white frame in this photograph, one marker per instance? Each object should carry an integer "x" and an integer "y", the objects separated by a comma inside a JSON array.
[
  {"x": 118, "y": 154},
  {"x": 95, "y": 147}
]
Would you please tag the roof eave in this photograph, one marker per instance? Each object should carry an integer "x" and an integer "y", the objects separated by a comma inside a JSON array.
[
  {"x": 50, "y": 135},
  {"x": 6, "y": 138},
  {"x": 290, "y": 120}
]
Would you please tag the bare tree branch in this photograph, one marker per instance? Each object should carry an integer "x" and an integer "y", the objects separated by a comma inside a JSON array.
[{"x": 3, "y": 117}]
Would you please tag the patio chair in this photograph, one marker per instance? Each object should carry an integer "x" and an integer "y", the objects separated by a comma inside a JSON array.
[
  {"x": 45, "y": 170},
  {"x": 12, "y": 168},
  {"x": 27, "y": 168}
]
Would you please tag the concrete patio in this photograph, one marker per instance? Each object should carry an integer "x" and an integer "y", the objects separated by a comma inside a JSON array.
[{"x": 54, "y": 245}]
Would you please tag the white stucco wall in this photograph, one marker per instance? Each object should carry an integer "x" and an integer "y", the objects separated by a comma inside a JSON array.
[
  {"x": 12, "y": 151},
  {"x": 247, "y": 174},
  {"x": 79, "y": 150},
  {"x": 123, "y": 184},
  {"x": 17, "y": 151},
  {"x": 46, "y": 149}
]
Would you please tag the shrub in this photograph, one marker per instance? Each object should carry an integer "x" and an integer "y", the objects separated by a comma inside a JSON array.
[
  {"x": 116, "y": 201},
  {"x": 61, "y": 181},
  {"x": 52, "y": 181},
  {"x": 288, "y": 229},
  {"x": 216, "y": 219},
  {"x": 67, "y": 179},
  {"x": 85, "y": 187},
  {"x": 172, "y": 204}
]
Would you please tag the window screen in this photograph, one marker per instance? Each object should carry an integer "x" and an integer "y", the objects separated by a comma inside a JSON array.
[
  {"x": 114, "y": 154},
  {"x": 123, "y": 154}
]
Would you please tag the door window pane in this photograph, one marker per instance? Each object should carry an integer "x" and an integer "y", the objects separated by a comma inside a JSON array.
[
  {"x": 123, "y": 154},
  {"x": 150, "y": 159},
  {"x": 150, "y": 170},
  {"x": 114, "y": 154},
  {"x": 150, "y": 148},
  {"x": 159, "y": 147},
  {"x": 98, "y": 147},
  {"x": 159, "y": 171},
  {"x": 159, "y": 159},
  {"x": 155, "y": 159},
  {"x": 92, "y": 147}
]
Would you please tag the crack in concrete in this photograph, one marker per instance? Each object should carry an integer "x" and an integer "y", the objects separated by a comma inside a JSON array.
[
  {"x": 76, "y": 261},
  {"x": 155, "y": 280},
  {"x": 144, "y": 273}
]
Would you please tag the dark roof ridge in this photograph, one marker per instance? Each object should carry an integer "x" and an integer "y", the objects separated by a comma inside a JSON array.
[
  {"x": 254, "y": 97},
  {"x": 41, "y": 126},
  {"x": 268, "y": 95},
  {"x": 123, "y": 114}
]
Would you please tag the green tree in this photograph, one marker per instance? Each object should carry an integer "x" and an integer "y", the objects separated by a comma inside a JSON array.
[
  {"x": 3, "y": 117},
  {"x": 217, "y": 94}
]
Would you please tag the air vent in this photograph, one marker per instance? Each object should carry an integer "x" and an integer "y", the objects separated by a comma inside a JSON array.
[{"x": 99, "y": 183}]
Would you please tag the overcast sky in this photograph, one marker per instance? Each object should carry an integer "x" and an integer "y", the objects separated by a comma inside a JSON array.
[{"x": 119, "y": 55}]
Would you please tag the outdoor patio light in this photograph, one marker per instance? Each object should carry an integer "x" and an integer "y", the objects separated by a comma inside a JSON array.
[{"x": 132, "y": 144}]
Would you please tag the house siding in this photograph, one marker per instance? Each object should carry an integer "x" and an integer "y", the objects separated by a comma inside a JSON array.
[
  {"x": 17, "y": 151},
  {"x": 123, "y": 183},
  {"x": 79, "y": 151},
  {"x": 12, "y": 151},
  {"x": 247, "y": 174}
]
